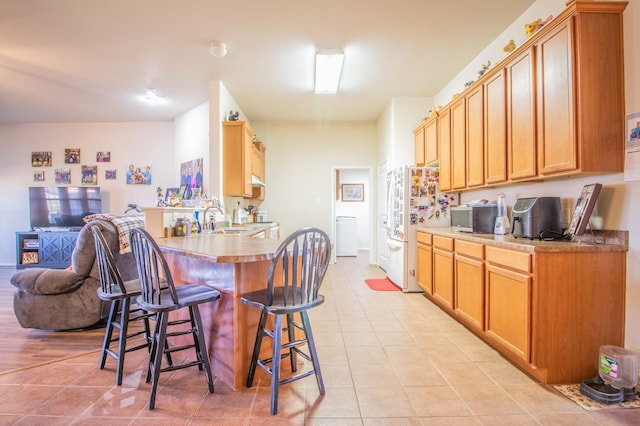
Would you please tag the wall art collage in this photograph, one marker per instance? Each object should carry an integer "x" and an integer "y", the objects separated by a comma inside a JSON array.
[{"x": 88, "y": 173}]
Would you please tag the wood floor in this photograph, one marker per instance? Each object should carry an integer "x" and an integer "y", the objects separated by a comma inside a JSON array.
[{"x": 23, "y": 348}]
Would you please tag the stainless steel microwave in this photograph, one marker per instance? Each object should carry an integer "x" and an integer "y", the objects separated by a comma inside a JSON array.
[{"x": 479, "y": 219}]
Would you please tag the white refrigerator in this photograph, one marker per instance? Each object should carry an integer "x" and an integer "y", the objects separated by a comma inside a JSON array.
[{"x": 414, "y": 200}]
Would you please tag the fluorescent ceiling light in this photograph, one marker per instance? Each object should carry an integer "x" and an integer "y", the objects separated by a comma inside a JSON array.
[{"x": 328, "y": 70}]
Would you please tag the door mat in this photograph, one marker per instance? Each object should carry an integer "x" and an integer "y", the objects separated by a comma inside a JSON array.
[
  {"x": 573, "y": 393},
  {"x": 381, "y": 284}
]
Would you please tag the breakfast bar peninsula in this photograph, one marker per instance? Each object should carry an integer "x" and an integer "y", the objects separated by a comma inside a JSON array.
[{"x": 233, "y": 264}]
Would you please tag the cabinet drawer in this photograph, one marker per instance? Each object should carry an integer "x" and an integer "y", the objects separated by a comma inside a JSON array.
[
  {"x": 470, "y": 249},
  {"x": 443, "y": 242},
  {"x": 424, "y": 238},
  {"x": 509, "y": 258}
]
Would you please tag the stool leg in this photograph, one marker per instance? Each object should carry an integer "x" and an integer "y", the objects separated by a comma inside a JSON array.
[
  {"x": 312, "y": 350},
  {"x": 201, "y": 347},
  {"x": 157, "y": 352},
  {"x": 256, "y": 348},
  {"x": 291, "y": 332},
  {"x": 108, "y": 332},
  {"x": 122, "y": 339},
  {"x": 275, "y": 362}
]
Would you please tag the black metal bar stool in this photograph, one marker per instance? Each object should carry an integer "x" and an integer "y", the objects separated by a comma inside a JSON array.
[
  {"x": 154, "y": 276},
  {"x": 120, "y": 295},
  {"x": 295, "y": 275}
]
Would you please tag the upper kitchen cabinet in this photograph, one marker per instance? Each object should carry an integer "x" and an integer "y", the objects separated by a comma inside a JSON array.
[
  {"x": 258, "y": 153},
  {"x": 553, "y": 107},
  {"x": 237, "y": 159},
  {"x": 521, "y": 116},
  {"x": 475, "y": 137},
  {"x": 458, "y": 145},
  {"x": 444, "y": 147},
  {"x": 495, "y": 124},
  {"x": 426, "y": 142},
  {"x": 580, "y": 90}
]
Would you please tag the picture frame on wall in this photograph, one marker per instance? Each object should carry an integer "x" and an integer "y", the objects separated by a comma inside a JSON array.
[
  {"x": 41, "y": 159},
  {"x": 72, "y": 156},
  {"x": 38, "y": 176},
  {"x": 89, "y": 175},
  {"x": 103, "y": 156},
  {"x": 63, "y": 176},
  {"x": 353, "y": 192},
  {"x": 110, "y": 174}
]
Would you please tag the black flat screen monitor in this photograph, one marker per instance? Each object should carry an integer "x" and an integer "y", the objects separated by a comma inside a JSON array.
[{"x": 63, "y": 206}]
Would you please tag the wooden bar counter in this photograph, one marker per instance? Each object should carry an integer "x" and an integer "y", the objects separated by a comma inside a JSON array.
[{"x": 233, "y": 264}]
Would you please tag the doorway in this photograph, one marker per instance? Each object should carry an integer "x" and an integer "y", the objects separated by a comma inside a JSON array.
[{"x": 353, "y": 198}]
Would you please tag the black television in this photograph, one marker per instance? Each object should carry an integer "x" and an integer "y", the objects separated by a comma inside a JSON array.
[{"x": 63, "y": 206}]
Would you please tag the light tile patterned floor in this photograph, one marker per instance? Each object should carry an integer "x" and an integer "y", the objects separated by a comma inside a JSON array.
[{"x": 387, "y": 358}]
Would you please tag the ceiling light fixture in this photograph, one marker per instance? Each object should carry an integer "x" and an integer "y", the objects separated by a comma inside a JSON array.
[
  {"x": 328, "y": 69},
  {"x": 152, "y": 96},
  {"x": 217, "y": 49}
]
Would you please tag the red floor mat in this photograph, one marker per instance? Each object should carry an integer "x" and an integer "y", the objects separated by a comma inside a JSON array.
[{"x": 381, "y": 284}]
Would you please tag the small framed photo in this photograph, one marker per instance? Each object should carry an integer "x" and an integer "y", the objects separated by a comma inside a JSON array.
[
  {"x": 89, "y": 175},
  {"x": 103, "y": 156},
  {"x": 41, "y": 159},
  {"x": 63, "y": 176},
  {"x": 353, "y": 192},
  {"x": 183, "y": 190},
  {"x": 110, "y": 174},
  {"x": 72, "y": 156},
  {"x": 38, "y": 176}
]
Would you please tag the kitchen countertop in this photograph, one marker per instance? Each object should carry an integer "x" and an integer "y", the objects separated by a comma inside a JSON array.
[
  {"x": 224, "y": 248},
  {"x": 600, "y": 241}
]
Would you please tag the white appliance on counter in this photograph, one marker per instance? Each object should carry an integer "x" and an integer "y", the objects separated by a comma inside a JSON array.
[{"x": 414, "y": 200}]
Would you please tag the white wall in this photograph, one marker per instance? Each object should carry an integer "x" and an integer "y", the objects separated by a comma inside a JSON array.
[
  {"x": 129, "y": 143},
  {"x": 298, "y": 167}
]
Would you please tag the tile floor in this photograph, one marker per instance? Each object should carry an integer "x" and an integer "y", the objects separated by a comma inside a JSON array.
[{"x": 387, "y": 358}]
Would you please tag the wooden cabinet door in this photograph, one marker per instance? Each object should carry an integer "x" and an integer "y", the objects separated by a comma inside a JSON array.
[
  {"x": 247, "y": 161},
  {"x": 418, "y": 146},
  {"x": 521, "y": 116},
  {"x": 495, "y": 125},
  {"x": 237, "y": 159},
  {"x": 469, "y": 283},
  {"x": 556, "y": 114},
  {"x": 431, "y": 141},
  {"x": 443, "y": 278},
  {"x": 475, "y": 137},
  {"x": 458, "y": 145},
  {"x": 444, "y": 144},
  {"x": 425, "y": 267},
  {"x": 508, "y": 306}
]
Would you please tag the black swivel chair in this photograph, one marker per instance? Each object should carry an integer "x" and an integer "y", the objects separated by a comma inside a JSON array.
[
  {"x": 120, "y": 295},
  {"x": 154, "y": 275},
  {"x": 295, "y": 275}
]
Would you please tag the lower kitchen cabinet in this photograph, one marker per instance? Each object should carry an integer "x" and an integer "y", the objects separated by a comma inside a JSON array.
[
  {"x": 425, "y": 262},
  {"x": 443, "y": 271},
  {"x": 469, "y": 283},
  {"x": 508, "y": 298},
  {"x": 545, "y": 306}
]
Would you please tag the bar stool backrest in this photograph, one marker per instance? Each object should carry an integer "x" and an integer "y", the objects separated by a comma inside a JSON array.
[
  {"x": 110, "y": 279},
  {"x": 299, "y": 266},
  {"x": 153, "y": 270}
]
